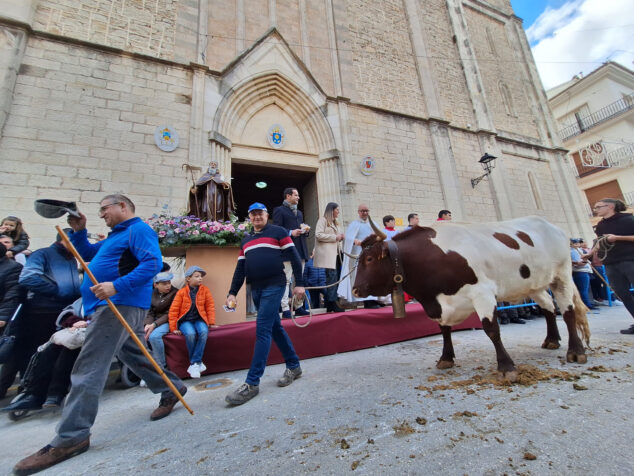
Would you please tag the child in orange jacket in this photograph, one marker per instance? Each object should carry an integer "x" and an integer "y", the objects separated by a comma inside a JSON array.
[{"x": 191, "y": 314}]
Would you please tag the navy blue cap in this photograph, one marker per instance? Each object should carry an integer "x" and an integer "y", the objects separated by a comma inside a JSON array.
[
  {"x": 192, "y": 269},
  {"x": 257, "y": 206}
]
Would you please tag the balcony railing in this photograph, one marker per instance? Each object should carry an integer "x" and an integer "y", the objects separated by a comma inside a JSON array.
[
  {"x": 621, "y": 157},
  {"x": 592, "y": 120},
  {"x": 593, "y": 159}
]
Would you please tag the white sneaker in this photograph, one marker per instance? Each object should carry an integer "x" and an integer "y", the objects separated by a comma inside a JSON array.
[
  {"x": 193, "y": 371},
  {"x": 142, "y": 383},
  {"x": 202, "y": 367}
]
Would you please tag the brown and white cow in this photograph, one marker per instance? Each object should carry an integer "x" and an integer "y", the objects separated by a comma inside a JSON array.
[{"x": 454, "y": 270}]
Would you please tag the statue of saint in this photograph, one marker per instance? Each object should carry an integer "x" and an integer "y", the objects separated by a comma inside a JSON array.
[{"x": 211, "y": 198}]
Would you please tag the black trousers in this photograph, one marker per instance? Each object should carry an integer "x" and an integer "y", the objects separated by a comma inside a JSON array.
[
  {"x": 34, "y": 326},
  {"x": 48, "y": 372},
  {"x": 621, "y": 276}
]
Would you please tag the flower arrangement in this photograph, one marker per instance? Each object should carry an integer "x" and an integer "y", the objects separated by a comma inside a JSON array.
[{"x": 186, "y": 230}]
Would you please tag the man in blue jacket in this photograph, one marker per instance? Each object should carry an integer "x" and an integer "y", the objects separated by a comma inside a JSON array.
[
  {"x": 289, "y": 217},
  {"x": 124, "y": 265},
  {"x": 51, "y": 279}
]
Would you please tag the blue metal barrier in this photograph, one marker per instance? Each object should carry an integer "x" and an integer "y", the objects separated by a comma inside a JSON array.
[{"x": 514, "y": 306}]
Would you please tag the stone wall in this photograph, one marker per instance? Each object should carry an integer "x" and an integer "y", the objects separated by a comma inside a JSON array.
[
  {"x": 502, "y": 74},
  {"x": 141, "y": 26},
  {"x": 405, "y": 179},
  {"x": 383, "y": 57},
  {"x": 82, "y": 126},
  {"x": 447, "y": 69}
]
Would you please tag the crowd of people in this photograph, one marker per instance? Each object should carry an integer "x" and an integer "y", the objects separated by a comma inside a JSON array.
[{"x": 66, "y": 335}]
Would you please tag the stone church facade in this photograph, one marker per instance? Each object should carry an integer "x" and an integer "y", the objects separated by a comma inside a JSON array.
[{"x": 422, "y": 87}]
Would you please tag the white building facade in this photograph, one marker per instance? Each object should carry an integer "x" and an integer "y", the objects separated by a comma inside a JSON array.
[{"x": 595, "y": 115}]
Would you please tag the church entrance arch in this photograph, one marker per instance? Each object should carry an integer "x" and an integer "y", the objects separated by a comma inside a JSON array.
[{"x": 306, "y": 156}]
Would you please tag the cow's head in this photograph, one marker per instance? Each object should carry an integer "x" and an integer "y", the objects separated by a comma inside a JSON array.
[{"x": 374, "y": 271}]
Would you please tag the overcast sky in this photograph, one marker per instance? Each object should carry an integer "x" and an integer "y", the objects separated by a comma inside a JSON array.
[{"x": 577, "y": 36}]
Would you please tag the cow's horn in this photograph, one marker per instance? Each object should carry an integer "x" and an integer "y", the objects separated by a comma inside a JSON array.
[
  {"x": 351, "y": 256},
  {"x": 382, "y": 236}
]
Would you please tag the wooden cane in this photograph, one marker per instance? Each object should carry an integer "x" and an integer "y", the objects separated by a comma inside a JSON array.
[{"x": 123, "y": 322}]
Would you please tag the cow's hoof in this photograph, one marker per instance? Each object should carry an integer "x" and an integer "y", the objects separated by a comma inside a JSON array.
[
  {"x": 444, "y": 364},
  {"x": 550, "y": 344},
  {"x": 511, "y": 375},
  {"x": 574, "y": 357}
]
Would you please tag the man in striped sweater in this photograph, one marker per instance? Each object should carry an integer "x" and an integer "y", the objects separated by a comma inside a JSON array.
[{"x": 261, "y": 262}]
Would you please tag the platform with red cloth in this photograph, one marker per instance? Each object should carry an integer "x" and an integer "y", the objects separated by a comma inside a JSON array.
[{"x": 230, "y": 347}]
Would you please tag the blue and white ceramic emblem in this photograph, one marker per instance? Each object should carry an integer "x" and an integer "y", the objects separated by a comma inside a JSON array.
[
  {"x": 276, "y": 136},
  {"x": 166, "y": 138}
]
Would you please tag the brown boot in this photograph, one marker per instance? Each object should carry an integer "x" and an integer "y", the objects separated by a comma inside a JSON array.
[
  {"x": 49, "y": 456},
  {"x": 166, "y": 405}
]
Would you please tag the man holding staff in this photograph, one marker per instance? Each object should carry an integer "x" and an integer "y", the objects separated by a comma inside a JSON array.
[{"x": 124, "y": 265}]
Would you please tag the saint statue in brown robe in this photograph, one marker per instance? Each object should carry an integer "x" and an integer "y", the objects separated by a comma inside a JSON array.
[{"x": 211, "y": 198}]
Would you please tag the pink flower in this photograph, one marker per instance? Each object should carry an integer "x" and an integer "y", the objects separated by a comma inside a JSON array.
[
  {"x": 195, "y": 232},
  {"x": 242, "y": 227},
  {"x": 162, "y": 234}
]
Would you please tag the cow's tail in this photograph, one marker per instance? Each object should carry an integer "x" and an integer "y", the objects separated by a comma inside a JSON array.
[{"x": 581, "y": 316}]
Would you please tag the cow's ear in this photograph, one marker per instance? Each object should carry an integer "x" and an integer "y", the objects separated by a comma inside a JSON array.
[{"x": 384, "y": 251}]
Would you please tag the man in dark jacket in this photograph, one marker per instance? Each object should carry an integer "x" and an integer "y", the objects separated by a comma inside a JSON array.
[
  {"x": 11, "y": 294},
  {"x": 52, "y": 281},
  {"x": 292, "y": 220}
]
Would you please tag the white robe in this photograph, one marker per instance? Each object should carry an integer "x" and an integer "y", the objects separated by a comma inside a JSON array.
[{"x": 357, "y": 230}]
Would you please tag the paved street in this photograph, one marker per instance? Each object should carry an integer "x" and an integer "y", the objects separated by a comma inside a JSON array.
[{"x": 385, "y": 410}]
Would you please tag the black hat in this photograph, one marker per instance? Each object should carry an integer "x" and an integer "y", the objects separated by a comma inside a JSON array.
[{"x": 55, "y": 208}]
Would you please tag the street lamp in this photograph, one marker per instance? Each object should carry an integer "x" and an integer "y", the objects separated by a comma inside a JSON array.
[{"x": 488, "y": 163}]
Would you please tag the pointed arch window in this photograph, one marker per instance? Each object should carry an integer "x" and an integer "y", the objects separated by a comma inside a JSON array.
[
  {"x": 535, "y": 193},
  {"x": 505, "y": 94},
  {"x": 490, "y": 41}
]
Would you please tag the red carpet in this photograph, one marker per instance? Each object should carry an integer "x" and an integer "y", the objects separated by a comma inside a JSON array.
[{"x": 230, "y": 347}]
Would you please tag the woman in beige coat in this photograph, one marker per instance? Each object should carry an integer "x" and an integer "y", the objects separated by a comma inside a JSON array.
[{"x": 327, "y": 238}]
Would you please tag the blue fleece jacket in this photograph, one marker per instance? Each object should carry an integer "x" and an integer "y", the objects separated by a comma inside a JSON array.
[{"x": 129, "y": 258}]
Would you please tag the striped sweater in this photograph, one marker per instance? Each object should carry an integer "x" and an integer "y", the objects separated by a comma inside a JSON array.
[{"x": 262, "y": 257}]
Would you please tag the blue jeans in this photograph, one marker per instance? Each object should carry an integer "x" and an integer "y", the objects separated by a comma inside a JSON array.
[
  {"x": 582, "y": 281},
  {"x": 269, "y": 327},
  {"x": 195, "y": 333},
  {"x": 156, "y": 342}
]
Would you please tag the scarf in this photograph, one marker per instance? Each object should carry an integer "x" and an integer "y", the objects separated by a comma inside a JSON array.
[{"x": 292, "y": 207}]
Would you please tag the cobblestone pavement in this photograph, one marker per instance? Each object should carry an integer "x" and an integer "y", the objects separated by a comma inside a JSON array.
[{"x": 385, "y": 410}]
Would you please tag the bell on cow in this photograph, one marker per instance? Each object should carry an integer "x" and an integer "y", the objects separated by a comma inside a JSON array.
[{"x": 398, "y": 304}]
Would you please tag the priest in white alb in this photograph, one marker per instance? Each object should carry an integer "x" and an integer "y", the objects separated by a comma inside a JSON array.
[{"x": 356, "y": 232}]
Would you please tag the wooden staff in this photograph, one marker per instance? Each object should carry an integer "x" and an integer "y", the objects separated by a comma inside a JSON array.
[{"x": 123, "y": 322}]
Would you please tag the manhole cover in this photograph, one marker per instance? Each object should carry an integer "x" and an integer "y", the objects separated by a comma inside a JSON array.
[{"x": 213, "y": 384}]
